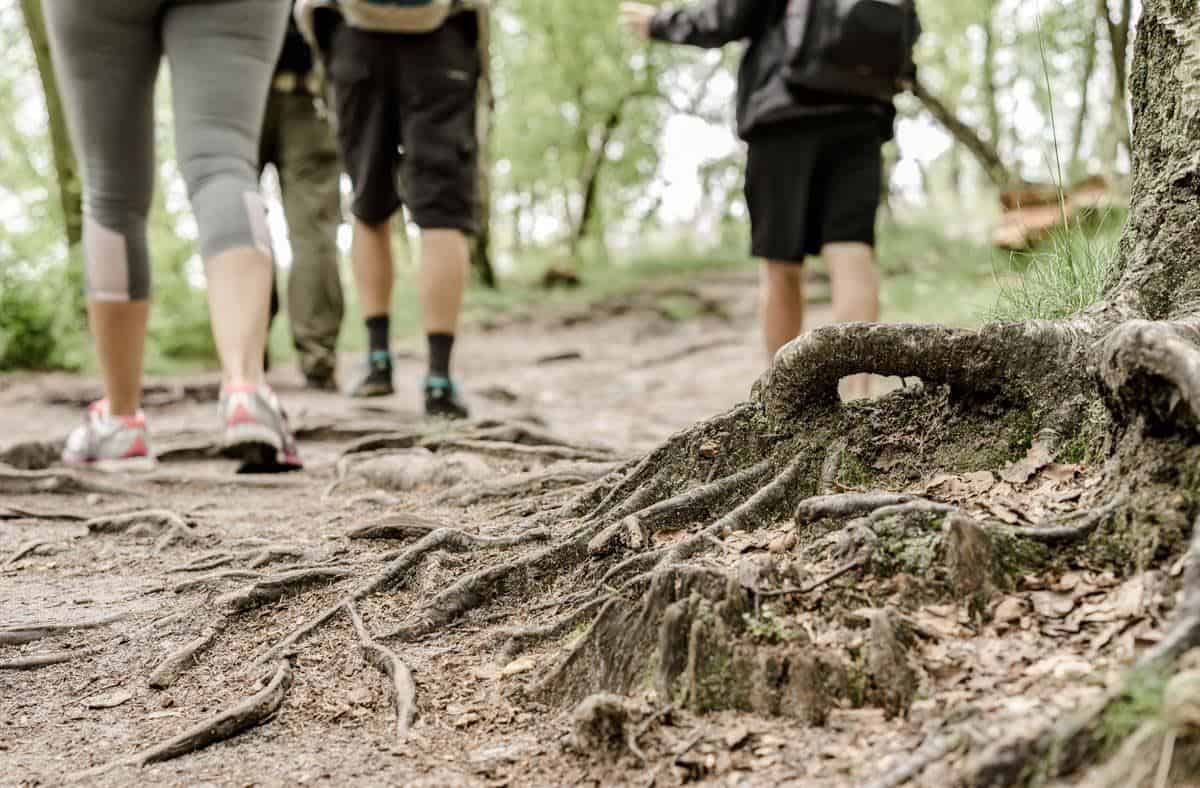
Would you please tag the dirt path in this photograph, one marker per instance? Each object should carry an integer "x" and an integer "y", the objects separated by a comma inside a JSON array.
[{"x": 119, "y": 597}]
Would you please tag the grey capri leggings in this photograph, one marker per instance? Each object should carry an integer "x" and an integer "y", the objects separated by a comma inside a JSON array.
[{"x": 222, "y": 54}]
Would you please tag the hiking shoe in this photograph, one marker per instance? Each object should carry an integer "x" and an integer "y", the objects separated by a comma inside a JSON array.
[
  {"x": 256, "y": 430},
  {"x": 378, "y": 380},
  {"x": 109, "y": 443},
  {"x": 442, "y": 399}
]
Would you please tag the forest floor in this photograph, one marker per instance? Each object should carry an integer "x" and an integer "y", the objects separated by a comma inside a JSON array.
[{"x": 621, "y": 376}]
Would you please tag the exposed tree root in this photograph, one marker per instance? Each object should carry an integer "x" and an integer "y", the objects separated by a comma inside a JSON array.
[
  {"x": 636, "y": 529},
  {"x": 846, "y": 505},
  {"x": 523, "y": 484},
  {"x": 44, "y": 660},
  {"x": 23, "y": 550},
  {"x": 205, "y": 563},
  {"x": 275, "y": 587},
  {"x": 396, "y": 526},
  {"x": 919, "y": 507},
  {"x": 1068, "y": 534},
  {"x": 28, "y": 633},
  {"x": 17, "y": 513},
  {"x": 251, "y": 712},
  {"x": 192, "y": 584},
  {"x": 764, "y": 504},
  {"x": 394, "y": 572},
  {"x": 1021, "y": 358},
  {"x": 816, "y": 584},
  {"x": 401, "y": 689},
  {"x": 57, "y": 482},
  {"x": 519, "y": 641},
  {"x": 473, "y": 590},
  {"x": 520, "y": 451},
  {"x": 178, "y": 661},
  {"x": 168, "y": 526}
]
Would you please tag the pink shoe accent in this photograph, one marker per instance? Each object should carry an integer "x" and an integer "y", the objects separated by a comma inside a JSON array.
[
  {"x": 240, "y": 416},
  {"x": 138, "y": 449}
]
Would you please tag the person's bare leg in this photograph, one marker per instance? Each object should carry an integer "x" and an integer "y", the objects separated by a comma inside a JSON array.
[
  {"x": 855, "y": 283},
  {"x": 239, "y": 301},
  {"x": 119, "y": 331},
  {"x": 445, "y": 262},
  {"x": 781, "y": 292},
  {"x": 371, "y": 258}
]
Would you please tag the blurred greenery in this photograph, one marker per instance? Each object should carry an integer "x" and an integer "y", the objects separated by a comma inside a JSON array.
[{"x": 582, "y": 178}]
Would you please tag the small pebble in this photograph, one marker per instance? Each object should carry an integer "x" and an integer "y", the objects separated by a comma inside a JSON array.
[{"x": 166, "y": 702}]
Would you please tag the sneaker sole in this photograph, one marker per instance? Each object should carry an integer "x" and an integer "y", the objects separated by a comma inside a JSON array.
[
  {"x": 253, "y": 444},
  {"x": 130, "y": 465}
]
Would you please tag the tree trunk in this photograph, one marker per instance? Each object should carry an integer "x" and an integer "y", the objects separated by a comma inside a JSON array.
[
  {"x": 984, "y": 152},
  {"x": 1076, "y": 169},
  {"x": 481, "y": 245},
  {"x": 989, "y": 76},
  {"x": 1118, "y": 39},
  {"x": 70, "y": 186},
  {"x": 589, "y": 178}
]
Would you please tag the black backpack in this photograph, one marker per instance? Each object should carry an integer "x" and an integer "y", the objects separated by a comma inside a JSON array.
[{"x": 858, "y": 48}]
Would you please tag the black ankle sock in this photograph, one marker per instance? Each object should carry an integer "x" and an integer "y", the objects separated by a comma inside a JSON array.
[
  {"x": 440, "y": 347},
  {"x": 378, "y": 334}
]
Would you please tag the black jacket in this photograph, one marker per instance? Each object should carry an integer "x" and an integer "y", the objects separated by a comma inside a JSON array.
[{"x": 763, "y": 97}]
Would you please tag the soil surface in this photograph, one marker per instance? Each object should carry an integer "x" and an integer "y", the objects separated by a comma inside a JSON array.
[{"x": 617, "y": 377}]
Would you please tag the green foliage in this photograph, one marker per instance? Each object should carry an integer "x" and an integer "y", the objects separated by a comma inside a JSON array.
[{"x": 1064, "y": 275}]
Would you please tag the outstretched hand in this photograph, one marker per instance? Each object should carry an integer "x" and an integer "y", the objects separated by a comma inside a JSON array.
[{"x": 636, "y": 18}]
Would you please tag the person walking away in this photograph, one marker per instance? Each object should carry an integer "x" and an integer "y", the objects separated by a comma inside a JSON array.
[
  {"x": 298, "y": 142},
  {"x": 404, "y": 77},
  {"x": 814, "y": 108},
  {"x": 106, "y": 56}
]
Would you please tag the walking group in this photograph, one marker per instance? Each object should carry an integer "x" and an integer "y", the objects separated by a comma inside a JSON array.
[{"x": 386, "y": 91}]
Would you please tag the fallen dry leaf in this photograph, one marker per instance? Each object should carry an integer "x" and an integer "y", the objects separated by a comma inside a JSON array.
[
  {"x": 1051, "y": 605},
  {"x": 109, "y": 700},
  {"x": 1010, "y": 610},
  {"x": 1040, "y": 455},
  {"x": 517, "y": 667},
  {"x": 1061, "y": 473}
]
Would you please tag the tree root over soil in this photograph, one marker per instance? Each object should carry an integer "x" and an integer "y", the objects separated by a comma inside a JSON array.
[{"x": 251, "y": 712}]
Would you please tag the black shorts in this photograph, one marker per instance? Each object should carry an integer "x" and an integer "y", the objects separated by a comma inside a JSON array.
[
  {"x": 813, "y": 182},
  {"x": 405, "y": 107}
]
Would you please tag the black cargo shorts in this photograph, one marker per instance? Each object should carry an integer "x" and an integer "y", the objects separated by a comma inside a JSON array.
[
  {"x": 814, "y": 181},
  {"x": 405, "y": 106}
]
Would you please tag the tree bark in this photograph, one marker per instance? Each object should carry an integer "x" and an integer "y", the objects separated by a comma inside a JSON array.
[
  {"x": 984, "y": 152},
  {"x": 1089, "y": 68},
  {"x": 589, "y": 178},
  {"x": 989, "y": 76},
  {"x": 1118, "y": 39},
  {"x": 70, "y": 186},
  {"x": 1160, "y": 260}
]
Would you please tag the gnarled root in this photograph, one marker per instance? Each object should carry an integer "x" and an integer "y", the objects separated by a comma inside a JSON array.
[
  {"x": 171, "y": 668},
  {"x": 251, "y": 712},
  {"x": 1139, "y": 356},
  {"x": 1018, "y": 357},
  {"x": 275, "y": 587},
  {"x": 402, "y": 689},
  {"x": 168, "y": 526}
]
